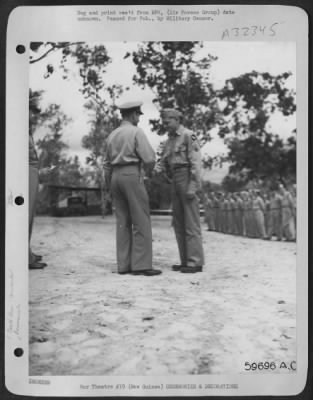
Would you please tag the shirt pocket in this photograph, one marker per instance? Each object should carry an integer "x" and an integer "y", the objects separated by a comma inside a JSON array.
[{"x": 181, "y": 149}]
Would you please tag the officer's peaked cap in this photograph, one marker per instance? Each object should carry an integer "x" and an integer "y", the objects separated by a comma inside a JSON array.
[
  {"x": 171, "y": 113},
  {"x": 131, "y": 106}
]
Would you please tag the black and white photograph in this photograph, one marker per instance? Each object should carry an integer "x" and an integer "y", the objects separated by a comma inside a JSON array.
[
  {"x": 198, "y": 288},
  {"x": 162, "y": 208}
]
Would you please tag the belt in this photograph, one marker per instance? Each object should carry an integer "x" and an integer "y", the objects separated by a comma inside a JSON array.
[
  {"x": 126, "y": 165},
  {"x": 179, "y": 166}
]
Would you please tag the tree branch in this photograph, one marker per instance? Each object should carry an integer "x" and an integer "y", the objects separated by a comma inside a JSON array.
[
  {"x": 43, "y": 55},
  {"x": 53, "y": 48},
  {"x": 99, "y": 103}
]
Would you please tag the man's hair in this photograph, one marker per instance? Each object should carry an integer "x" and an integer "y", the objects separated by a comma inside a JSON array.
[{"x": 127, "y": 113}]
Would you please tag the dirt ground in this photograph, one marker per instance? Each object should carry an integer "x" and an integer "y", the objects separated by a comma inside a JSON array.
[{"x": 85, "y": 319}]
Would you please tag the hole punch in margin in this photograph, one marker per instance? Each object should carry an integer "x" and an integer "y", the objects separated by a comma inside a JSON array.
[
  {"x": 18, "y": 352},
  {"x": 20, "y": 49},
  {"x": 19, "y": 200}
]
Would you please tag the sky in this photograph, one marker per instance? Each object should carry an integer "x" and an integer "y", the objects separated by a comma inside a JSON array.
[{"x": 234, "y": 59}]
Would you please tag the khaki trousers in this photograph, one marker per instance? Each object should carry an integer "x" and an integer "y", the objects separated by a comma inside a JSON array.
[
  {"x": 288, "y": 224},
  {"x": 259, "y": 224},
  {"x": 186, "y": 221},
  {"x": 218, "y": 219},
  {"x": 274, "y": 224},
  {"x": 33, "y": 190},
  {"x": 133, "y": 224}
]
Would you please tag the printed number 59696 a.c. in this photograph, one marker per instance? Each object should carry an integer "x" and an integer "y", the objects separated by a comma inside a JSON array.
[{"x": 260, "y": 366}]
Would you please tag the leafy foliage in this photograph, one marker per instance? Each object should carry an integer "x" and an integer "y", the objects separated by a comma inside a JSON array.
[
  {"x": 52, "y": 120},
  {"x": 35, "y": 115},
  {"x": 104, "y": 120},
  {"x": 52, "y": 147},
  {"x": 179, "y": 79},
  {"x": 179, "y": 75},
  {"x": 255, "y": 151},
  {"x": 90, "y": 63},
  {"x": 71, "y": 172}
]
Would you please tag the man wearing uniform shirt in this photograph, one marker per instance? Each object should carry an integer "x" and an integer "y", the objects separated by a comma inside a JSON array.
[
  {"x": 128, "y": 150},
  {"x": 287, "y": 214},
  {"x": 275, "y": 216},
  {"x": 258, "y": 207},
  {"x": 182, "y": 158},
  {"x": 240, "y": 211},
  {"x": 218, "y": 211},
  {"x": 33, "y": 161},
  {"x": 223, "y": 212},
  {"x": 209, "y": 212},
  {"x": 294, "y": 201}
]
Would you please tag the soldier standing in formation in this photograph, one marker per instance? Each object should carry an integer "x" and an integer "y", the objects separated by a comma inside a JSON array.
[
  {"x": 244, "y": 212},
  {"x": 222, "y": 213},
  {"x": 182, "y": 158},
  {"x": 294, "y": 201},
  {"x": 274, "y": 224},
  {"x": 226, "y": 213},
  {"x": 258, "y": 208},
  {"x": 239, "y": 214},
  {"x": 209, "y": 212},
  {"x": 288, "y": 218},
  {"x": 231, "y": 218},
  {"x": 234, "y": 207},
  {"x": 255, "y": 215},
  {"x": 267, "y": 211},
  {"x": 216, "y": 211},
  {"x": 248, "y": 215},
  {"x": 128, "y": 150}
]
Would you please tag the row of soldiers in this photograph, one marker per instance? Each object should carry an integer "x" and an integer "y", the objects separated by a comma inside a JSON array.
[{"x": 253, "y": 213}]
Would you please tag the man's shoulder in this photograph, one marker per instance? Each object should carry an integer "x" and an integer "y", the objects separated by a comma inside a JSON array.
[
  {"x": 139, "y": 131},
  {"x": 186, "y": 131},
  {"x": 129, "y": 128},
  {"x": 125, "y": 129},
  {"x": 188, "y": 134}
]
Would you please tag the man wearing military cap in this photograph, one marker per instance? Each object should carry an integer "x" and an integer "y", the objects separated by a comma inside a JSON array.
[
  {"x": 128, "y": 150},
  {"x": 182, "y": 158},
  {"x": 131, "y": 106}
]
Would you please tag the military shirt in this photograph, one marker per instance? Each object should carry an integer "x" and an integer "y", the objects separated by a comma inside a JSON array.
[
  {"x": 128, "y": 144},
  {"x": 275, "y": 202},
  {"x": 216, "y": 203},
  {"x": 182, "y": 149},
  {"x": 258, "y": 204},
  {"x": 209, "y": 203},
  {"x": 239, "y": 203},
  {"x": 226, "y": 205},
  {"x": 232, "y": 204},
  {"x": 32, "y": 153},
  {"x": 286, "y": 201}
]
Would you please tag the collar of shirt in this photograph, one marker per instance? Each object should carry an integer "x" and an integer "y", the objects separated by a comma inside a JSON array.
[
  {"x": 178, "y": 132},
  {"x": 124, "y": 122}
]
